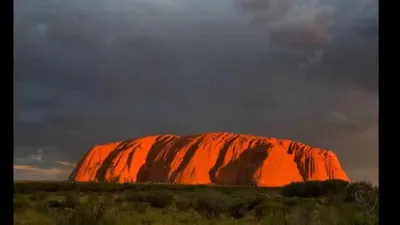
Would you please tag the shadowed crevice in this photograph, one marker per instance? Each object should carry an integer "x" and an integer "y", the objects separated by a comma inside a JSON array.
[
  {"x": 220, "y": 159},
  {"x": 302, "y": 169},
  {"x": 129, "y": 160},
  {"x": 101, "y": 172},
  {"x": 186, "y": 159},
  {"x": 143, "y": 173},
  {"x": 245, "y": 166},
  {"x": 291, "y": 148}
]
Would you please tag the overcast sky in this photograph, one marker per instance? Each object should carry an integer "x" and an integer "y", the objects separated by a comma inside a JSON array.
[{"x": 93, "y": 71}]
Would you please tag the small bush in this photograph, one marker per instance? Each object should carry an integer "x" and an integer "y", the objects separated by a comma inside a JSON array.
[
  {"x": 71, "y": 200},
  {"x": 291, "y": 202},
  {"x": 364, "y": 194},
  {"x": 56, "y": 204},
  {"x": 314, "y": 188},
  {"x": 241, "y": 207},
  {"x": 134, "y": 196},
  {"x": 159, "y": 199},
  {"x": 40, "y": 196},
  {"x": 140, "y": 207},
  {"x": 210, "y": 205},
  {"x": 238, "y": 209},
  {"x": 91, "y": 213},
  {"x": 268, "y": 207},
  {"x": 209, "y": 208},
  {"x": 184, "y": 205},
  {"x": 21, "y": 203},
  {"x": 156, "y": 199}
]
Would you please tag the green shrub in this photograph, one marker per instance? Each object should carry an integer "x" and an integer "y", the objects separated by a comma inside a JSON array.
[
  {"x": 184, "y": 205},
  {"x": 86, "y": 214},
  {"x": 140, "y": 207},
  {"x": 159, "y": 199},
  {"x": 268, "y": 207},
  {"x": 40, "y": 196},
  {"x": 71, "y": 200},
  {"x": 56, "y": 204},
  {"x": 361, "y": 186},
  {"x": 290, "y": 202},
  {"x": 134, "y": 196},
  {"x": 209, "y": 208},
  {"x": 21, "y": 203},
  {"x": 314, "y": 188},
  {"x": 210, "y": 204},
  {"x": 239, "y": 208},
  {"x": 156, "y": 199},
  {"x": 93, "y": 212},
  {"x": 364, "y": 195}
]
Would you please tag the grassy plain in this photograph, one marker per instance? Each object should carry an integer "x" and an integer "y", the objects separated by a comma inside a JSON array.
[{"x": 309, "y": 203}]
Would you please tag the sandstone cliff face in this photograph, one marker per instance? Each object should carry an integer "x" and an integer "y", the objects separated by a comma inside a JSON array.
[{"x": 211, "y": 158}]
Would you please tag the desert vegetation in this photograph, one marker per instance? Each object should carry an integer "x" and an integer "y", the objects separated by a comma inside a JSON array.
[{"x": 313, "y": 202}]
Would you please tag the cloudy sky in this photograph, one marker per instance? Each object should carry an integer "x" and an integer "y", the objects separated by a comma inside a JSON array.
[{"x": 93, "y": 71}]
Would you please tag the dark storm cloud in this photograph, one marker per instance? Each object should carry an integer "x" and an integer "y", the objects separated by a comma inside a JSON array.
[{"x": 89, "y": 72}]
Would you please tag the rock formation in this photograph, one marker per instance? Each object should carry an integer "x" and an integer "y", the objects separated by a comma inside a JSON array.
[{"x": 210, "y": 158}]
